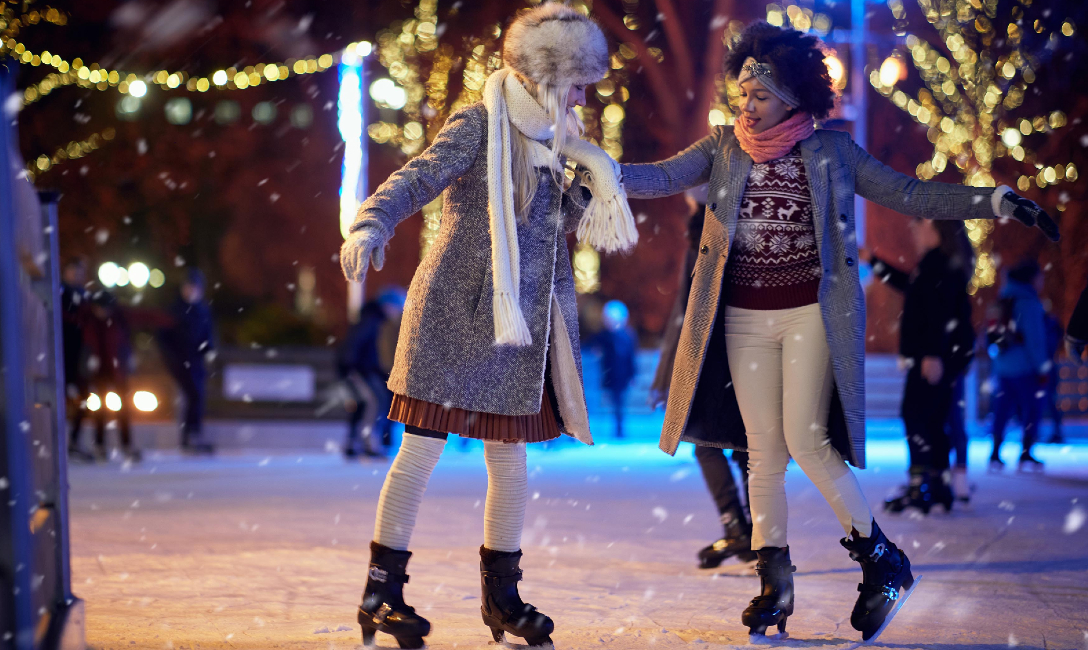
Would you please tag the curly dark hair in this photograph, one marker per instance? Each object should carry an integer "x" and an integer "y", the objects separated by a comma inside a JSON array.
[{"x": 797, "y": 59}]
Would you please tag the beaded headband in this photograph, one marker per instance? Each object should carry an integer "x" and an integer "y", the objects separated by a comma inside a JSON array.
[{"x": 765, "y": 75}]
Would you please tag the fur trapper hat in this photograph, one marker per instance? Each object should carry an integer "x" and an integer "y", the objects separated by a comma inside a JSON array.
[{"x": 556, "y": 45}]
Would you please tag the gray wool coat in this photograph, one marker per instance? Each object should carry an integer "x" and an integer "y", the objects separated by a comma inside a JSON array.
[
  {"x": 446, "y": 353},
  {"x": 702, "y": 405}
]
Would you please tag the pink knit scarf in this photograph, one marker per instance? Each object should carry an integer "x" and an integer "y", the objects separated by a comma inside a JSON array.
[{"x": 776, "y": 141}]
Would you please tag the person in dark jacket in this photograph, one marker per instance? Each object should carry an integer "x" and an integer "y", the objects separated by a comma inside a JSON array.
[
  {"x": 75, "y": 304},
  {"x": 108, "y": 340},
  {"x": 1076, "y": 332},
  {"x": 364, "y": 363},
  {"x": 1055, "y": 334},
  {"x": 185, "y": 342},
  {"x": 736, "y": 540},
  {"x": 618, "y": 346},
  {"x": 936, "y": 342},
  {"x": 1021, "y": 363}
]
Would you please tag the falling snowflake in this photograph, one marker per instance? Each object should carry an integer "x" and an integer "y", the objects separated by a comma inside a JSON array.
[{"x": 1074, "y": 521}]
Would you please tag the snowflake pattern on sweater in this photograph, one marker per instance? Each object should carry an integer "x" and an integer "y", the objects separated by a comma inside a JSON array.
[{"x": 774, "y": 262}]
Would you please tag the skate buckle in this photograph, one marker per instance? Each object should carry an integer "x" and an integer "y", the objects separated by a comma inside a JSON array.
[
  {"x": 378, "y": 574},
  {"x": 878, "y": 550},
  {"x": 381, "y": 614}
]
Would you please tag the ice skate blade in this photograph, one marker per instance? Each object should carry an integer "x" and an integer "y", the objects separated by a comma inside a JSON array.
[
  {"x": 520, "y": 646},
  {"x": 767, "y": 639},
  {"x": 898, "y": 605}
]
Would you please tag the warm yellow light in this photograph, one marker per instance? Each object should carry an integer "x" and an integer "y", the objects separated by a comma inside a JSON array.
[
  {"x": 241, "y": 80},
  {"x": 107, "y": 274},
  {"x": 113, "y": 401},
  {"x": 156, "y": 278},
  {"x": 271, "y": 72},
  {"x": 122, "y": 276},
  {"x": 93, "y": 402},
  {"x": 891, "y": 71},
  {"x": 1011, "y": 137},
  {"x": 173, "y": 80},
  {"x": 364, "y": 48},
  {"x": 613, "y": 113},
  {"x": 139, "y": 274},
  {"x": 202, "y": 85},
  {"x": 220, "y": 78},
  {"x": 835, "y": 69},
  {"x": 145, "y": 401},
  {"x": 716, "y": 117}
]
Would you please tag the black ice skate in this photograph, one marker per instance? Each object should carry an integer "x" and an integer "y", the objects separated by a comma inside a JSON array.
[
  {"x": 383, "y": 608},
  {"x": 1029, "y": 463},
  {"x": 502, "y": 608},
  {"x": 737, "y": 541},
  {"x": 774, "y": 604},
  {"x": 885, "y": 573},
  {"x": 927, "y": 488}
]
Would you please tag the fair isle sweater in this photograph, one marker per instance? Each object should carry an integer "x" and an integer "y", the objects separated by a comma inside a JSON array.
[{"x": 774, "y": 262}]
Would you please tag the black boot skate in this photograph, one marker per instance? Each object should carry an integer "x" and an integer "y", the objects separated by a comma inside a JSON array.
[
  {"x": 885, "y": 573},
  {"x": 502, "y": 608},
  {"x": 926, "y": 489},
  {"x": 383, "y": 608},
  {"x": 774, "y": 604},
  {"x": 737, "y": 541}
]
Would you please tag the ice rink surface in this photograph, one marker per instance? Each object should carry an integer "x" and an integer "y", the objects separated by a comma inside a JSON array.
[{"x": 254, "y": 550}]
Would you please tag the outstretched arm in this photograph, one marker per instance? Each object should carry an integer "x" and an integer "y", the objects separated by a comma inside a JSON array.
[
  {"x": 413, "y": 186},
  {"x": 889, "y": 275},
  {"x": 683, "y": 171},
  {"x": 930, "y": 200}
]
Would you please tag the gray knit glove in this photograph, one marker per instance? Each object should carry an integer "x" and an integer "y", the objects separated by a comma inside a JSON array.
[
  {"x": 1028, "y": 213},
  {"x": 362, "y": 247}
]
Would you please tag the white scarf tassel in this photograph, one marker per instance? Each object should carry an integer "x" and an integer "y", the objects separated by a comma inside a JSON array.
[
  {"x": 607, "y": 223},
  {"x": 510, "y": 326}
]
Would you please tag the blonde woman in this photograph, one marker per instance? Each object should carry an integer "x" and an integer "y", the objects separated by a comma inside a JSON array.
[{"x": 488, "y": 348}]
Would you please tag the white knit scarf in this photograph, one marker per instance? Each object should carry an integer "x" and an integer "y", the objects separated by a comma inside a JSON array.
[{"x": 607, "y": 223}]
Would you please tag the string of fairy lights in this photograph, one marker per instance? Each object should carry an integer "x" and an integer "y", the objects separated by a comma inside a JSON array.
[{"x": 967, "y": 102}]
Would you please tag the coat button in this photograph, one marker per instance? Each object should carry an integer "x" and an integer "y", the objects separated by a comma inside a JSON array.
[
  {"x": 713, "y": 206},
  {"x": 705, "y": 249},
  {"x": 842, "y": 218},
  {"x": 849, "y": 261}
]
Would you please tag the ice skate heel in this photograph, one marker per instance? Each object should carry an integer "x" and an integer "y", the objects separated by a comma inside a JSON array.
[
  {"x": 502, "y": 608},
  {"x": 774, "y": 604},
  {"x": 736, "y": 542},
  {"x": 383, "y": 608}
]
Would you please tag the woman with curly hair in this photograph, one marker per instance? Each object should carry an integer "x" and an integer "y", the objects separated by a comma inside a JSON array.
[{"x": 772, "y": 349}]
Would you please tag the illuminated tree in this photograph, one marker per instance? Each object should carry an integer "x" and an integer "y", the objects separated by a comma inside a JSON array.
[{"x": 975, "y": 79}]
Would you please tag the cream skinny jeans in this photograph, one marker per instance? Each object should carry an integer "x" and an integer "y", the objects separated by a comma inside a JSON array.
[{"x": 781, "y": 368}]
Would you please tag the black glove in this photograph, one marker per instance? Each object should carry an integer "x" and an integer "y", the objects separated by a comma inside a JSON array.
[{"x": 1029, "y": 213}]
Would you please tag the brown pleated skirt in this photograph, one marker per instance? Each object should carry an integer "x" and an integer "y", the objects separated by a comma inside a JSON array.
[{"x": 481, "y": 426}]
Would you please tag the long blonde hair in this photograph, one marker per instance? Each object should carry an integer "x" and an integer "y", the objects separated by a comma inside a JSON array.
[{"x": 553, "y": 99}]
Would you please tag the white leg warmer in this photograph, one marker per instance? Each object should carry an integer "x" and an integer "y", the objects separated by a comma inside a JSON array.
[
  {"x": 404, "y": 486},
  {"x": 507, "y": 494}
]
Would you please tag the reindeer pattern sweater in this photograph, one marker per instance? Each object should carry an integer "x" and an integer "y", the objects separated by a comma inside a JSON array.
[{"x": 774, "y": 262}]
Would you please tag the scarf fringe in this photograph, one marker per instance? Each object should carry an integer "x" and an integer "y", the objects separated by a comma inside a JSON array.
[
  {"x": 608, "y": 225},
  {"x": 510, "y": 326}
]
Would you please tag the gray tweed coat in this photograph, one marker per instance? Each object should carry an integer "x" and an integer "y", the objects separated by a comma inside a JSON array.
[
  {"x": 446, "y": 353},
  {"x": 702, "y": 406}
]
